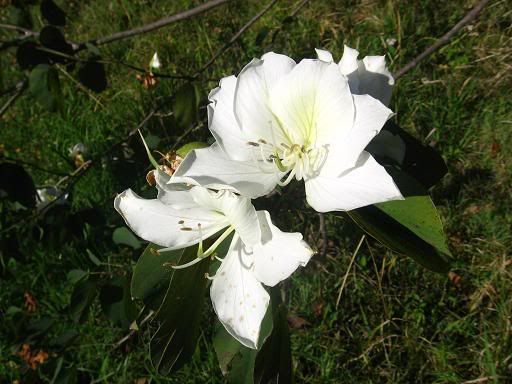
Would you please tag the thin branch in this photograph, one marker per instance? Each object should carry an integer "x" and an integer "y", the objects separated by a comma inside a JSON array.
[
  {"x": 157, "y": 24},
  {"x": 348, "y": 270},
  {"x": 133, "y": 331},
  {"x": 445, "y": 39},
  {"x": 17, "y": 28},
  {"x": 235, "y": 37},
  {"x": 20, "y": 87},
  {"x": 323, "y": 233}
]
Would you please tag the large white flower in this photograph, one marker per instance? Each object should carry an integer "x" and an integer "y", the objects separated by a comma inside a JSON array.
[
  {"x": 259, "y": 251},
  {"x": 280, "y": 120}
]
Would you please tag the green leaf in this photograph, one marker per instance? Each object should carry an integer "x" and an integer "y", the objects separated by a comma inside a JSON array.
[
  {"x": 152, "y": 274},
  {"x": 186, "y": 105},
  {"x": 179, "y": 315},
  {"x": 81, "y": 299},
  {"x": 117, "y": 303},
  {"x": 274, "y": 360},
  {"x": 422, "y": 162},
  {"x": 45, "y": 86},
  {"x": 92, "y": 75},
  {"x": 184, "y": 150},
  {"x": 272, "y": 363},
  {"x": 411, "y": 226},
  {"x": 20, "y": 16},
  {"x": 124, "y": 236},
  {"x": 76, "y": 275}
]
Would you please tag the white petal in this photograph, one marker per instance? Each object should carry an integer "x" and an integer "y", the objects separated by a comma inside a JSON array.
[
  {"x": 280, "y": 254},
  {"x": 162, "y": 224},
  {"x": 238, "y": 298},
  {"x": 370, "y": 117},
  {"x": 238, "y": 210},
  {"x": 251, "y": 97},
  {"x": 176, "y": 195},
  {"x": 313, "y": 103},
  {"x": 210, "y": 167},
  {"x": 367, "y": 183},
  {"x": 324, "y": 55},
  {"x": 222, "y": 122},
  {"x": 348, "y": 62},
  {"x": 375, "y": 79}
]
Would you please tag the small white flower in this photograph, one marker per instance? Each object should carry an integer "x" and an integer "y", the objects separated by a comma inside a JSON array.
[
  {"x": 280, "y": 120},
  {"x": 154, "y": 64},
  {"x": 368, "y": 76},
  {"x": 259, "y": 251}
]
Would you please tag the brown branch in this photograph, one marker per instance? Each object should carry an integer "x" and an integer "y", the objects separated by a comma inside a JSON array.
[
  {"x": 157, "y": 24},
  {"x": 323, "y": 233},
  {"x": 235, "y": 37},
  {"x": 445, "y": 39}
]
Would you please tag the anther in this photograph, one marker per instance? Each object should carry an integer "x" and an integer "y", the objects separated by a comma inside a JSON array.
[
  {"x": 253, "y": 143},
  {"x": 181, "y": 222},
  {"x": 186, "y": 229},
  {"x": 262, "y": 141}
]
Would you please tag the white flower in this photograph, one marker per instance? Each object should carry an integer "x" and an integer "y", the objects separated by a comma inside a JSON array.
[
  {"x": 368, "y": 76},
  {"x": 259, "y": 251},
  {"x": 280, "y": 120},
  {"x": 154, "y": 64}
]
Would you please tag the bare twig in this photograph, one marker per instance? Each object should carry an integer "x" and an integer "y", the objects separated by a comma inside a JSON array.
[
  {"x": 323, "y": 233},
  {"x": 20, "y": 87},
  {"x": 133, "y": 331},
  {"x": 158, "y": 24},
  {"x": 445, "y": 39},
  {"x": 348, "y": 270},
  {"x": 298, "y": 8},
  {"x": 17, "y": 28},
  {"x": 235, "y": 37}
]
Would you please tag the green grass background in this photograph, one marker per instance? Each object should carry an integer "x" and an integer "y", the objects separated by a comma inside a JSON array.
[{"x": 396, "y": 322}]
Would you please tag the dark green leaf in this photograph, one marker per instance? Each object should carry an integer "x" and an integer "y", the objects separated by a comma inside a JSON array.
[
  {"x": 236, "y": 361},
  {"x": 274, "y": 360},
  {"x": 52, "y": 38},
  {"x": 152, "y": 274},
  {"x": 64, "y": 339},
  {"x": 28, "y": 55},
  {"x": 92, "y": 75},
  {"x": 123, "y": 235},
  {"x": 93, "y": 49},
  {"x": 81, "y": 299},
  {"x": 179, "y": 316},
  {"x": 20, "y": 15},
  {"x": 94, "y": 259},
  {"x": 422, "y": 162},
  {"x": 52, "y": 13},
  {"x": 117, "y": 303},
  {"x": 17, "y": 185},
  {"x": 76, "y": 275},
  {"x": 186, "y": 105},
  {"x": 44, "y": 85},
  {"x": 411, "y": 226}
]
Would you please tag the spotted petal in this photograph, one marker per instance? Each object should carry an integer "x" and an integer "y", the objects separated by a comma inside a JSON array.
[{"x": 238, "y": 298}]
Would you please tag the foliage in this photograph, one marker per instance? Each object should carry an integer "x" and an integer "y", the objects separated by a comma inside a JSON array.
[{"x": 397, "y": 322}]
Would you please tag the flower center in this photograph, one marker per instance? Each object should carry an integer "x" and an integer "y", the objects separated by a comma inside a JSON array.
[{"x": 294, "y": 160}]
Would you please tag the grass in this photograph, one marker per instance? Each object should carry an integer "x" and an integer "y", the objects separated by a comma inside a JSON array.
[{"x": 396, "y": 322}]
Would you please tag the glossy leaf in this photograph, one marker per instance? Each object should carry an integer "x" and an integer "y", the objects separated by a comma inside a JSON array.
[
  {"x": 52, "y": 13},
  {"x": 81, "y": 299},
  {"x": 179, "y": 315},
  {"x": 52, "y": 38},
  {"x": 272, "y": 363},
  {"x": 152, "y": 274},
  {"x": 274, "y": 360},
  {"x": 411, "y": 226},
  {"x": 92, "y": 75},
  {"x": 124, "y": 236},
  {"x": 422, "y": 162},
  {"x": 28, "y": 55},
  {"x": 17, "y": 184},
  {"x": 117, "y": 303},
  {"x": 44, "y": 85}
]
